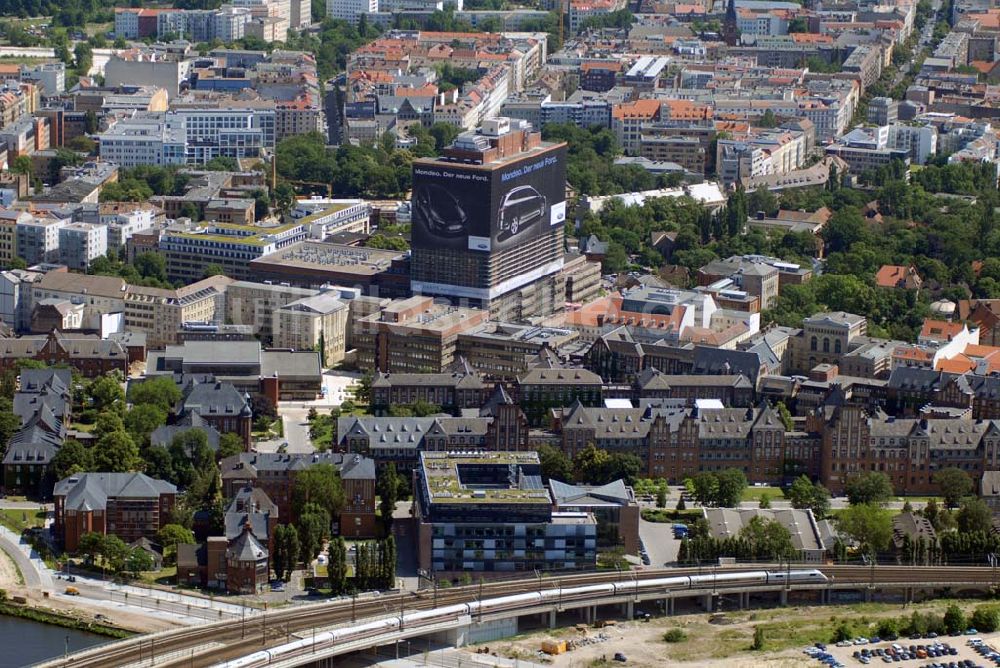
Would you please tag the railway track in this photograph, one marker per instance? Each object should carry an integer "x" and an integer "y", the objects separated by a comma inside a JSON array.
[{"x": 271, "y": 627}]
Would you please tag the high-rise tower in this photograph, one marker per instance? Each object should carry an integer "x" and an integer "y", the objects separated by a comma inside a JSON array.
[{"x": 488, "y": 219}]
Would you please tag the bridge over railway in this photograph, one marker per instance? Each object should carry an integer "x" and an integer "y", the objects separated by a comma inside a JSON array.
[{"x": 301, "y": 635}]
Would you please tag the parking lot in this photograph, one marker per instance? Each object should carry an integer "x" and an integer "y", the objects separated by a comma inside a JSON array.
[{"x": 962, "y": 651}]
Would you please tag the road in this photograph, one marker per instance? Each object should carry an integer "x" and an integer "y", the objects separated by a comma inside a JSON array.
[
  {"x": 658, "y": 538},
  {"x": 37, "y": 576},
  {"x": 336, "y": 389}
]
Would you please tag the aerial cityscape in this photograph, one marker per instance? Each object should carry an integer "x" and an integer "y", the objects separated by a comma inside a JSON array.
[{"x": 510, "y": 333}]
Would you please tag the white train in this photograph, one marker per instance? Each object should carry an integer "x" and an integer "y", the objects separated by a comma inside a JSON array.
[{"x": 451, "y": 613}]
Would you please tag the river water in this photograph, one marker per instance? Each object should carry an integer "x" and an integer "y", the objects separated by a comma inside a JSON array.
[{"x": 24, "y": 642}]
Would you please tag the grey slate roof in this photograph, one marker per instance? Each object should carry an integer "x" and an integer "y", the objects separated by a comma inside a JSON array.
[
  {"x": 726, "y": 522},
  {"x": 214, "y": 399},
  {"x": 718, "y": 361},
  {"x": 614, "y": 493},
  {"x": 165, "y": 434},
  {"x": 246, "y": 548},
  {"x": 91, "y": 491},
  {"x": 912, "y": 525},
  {"x": 546, "y": 376},
  {"x": 247, "y": 464},
  {"x": 236, "y": 522},
  {"x": 408, "y": 432}
]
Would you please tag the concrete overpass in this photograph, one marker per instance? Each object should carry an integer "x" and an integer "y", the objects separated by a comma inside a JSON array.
[{"x": 306, "y": 634}]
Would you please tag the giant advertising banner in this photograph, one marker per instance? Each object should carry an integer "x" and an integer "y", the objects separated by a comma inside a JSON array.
[{"x": 469, "y": 207}]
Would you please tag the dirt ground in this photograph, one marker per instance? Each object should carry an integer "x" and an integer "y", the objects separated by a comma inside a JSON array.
[
  {"x": 712, "y": 643},
  {"x": 10, "y": 579},
  {"x": 113, "y": 616}
]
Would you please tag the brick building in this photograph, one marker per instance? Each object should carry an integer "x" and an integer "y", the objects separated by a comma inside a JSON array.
[
  {"x": 89, "y": 355},
  {"x": 453, "y": 391},
  {"x": 128, "y": 505},
  {"x": 275, "y": 474}
]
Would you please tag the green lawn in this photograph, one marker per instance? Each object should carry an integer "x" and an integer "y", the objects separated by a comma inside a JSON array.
[
  {"x": 18, "y": 520},
  {"x": 920, "y": 499},
  {"x": 165, "y": 576},
  {"x": 665, "y": 515},
  {"x": 754, "y": 493}
]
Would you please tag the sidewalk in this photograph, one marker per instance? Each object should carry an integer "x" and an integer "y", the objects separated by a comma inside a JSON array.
[
  {"x": 153, "y": 598},
  {"x": 34, "y": 571}
]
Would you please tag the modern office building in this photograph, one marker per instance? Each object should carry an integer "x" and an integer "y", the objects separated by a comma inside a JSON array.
[
  {"x": 350, "y": 10},
  {"x": 488, "y": 218},
  {"x": 489, "y": 513},
  {"x": 188, "y": 136},
  {"x": 415, "y": 335},
  {"x": 232, "y": 247}
]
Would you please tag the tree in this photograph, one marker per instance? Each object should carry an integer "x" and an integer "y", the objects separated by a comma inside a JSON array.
[
  {"x": 229, "y": 445},
  {"x": 116, "y": 453},
  {"x": 91, "y": 546},
  {"x": 870, "y": 487},
  {"x": 985, "y": 619},
  {"x": 590, "y": 463},
  {"x": 681, "y": 506},
  {"x": 555, "y": 464},
  {"x": 974, "y": 515},
  {"x": 758, "y": 632},
  {"x": 767, "y": 539},
  {"x": 954, "y": 484},
  {"x": 765, "y": 501},
  {"x": 763, "y": 200},
  {"x": 954, "y": 620},
  {"x": 284, "y": 197},
  {"x": 661, "y": 498},
  {"x": 115, "y": 554},
  {"x": 142, "y": 420},
  {"x": 137, "y": 561},
  {"x": 172, "y": 535},
  {"x": 160, "y": 391},
  {"x": 319, "y": 484},
  {"x": 337, "y": 567},
  {"x": 388, "y": 491},
  {"x": 292, "y": 549},
  {"x": 804, "y": 494},
  {"x": 768, "y": 120},
  {"x": 706, "y": 487},
  {"x": 731, "y": 484},
  {"x": 213, "y": 269},
  {"x": 106, "y": 392},
  {"x": 9, "y": 422},
  {"x": 279, "y": 556},
  {"x": 868, "y": 524},
  {"x": 313, "y": 526},
  {"x": 73, "y": 457},
  {"x": 21, "y": 165}
]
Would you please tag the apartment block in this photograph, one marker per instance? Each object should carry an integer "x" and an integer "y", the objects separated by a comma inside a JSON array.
[
  {"x": 313, "y": 323},
  {"x": 161, "y": 313},
  {"x": 255, "y": 304},
  {"x": 82, "y": 243}
]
